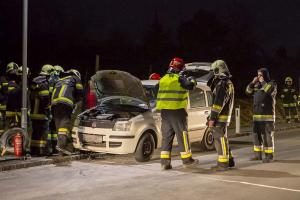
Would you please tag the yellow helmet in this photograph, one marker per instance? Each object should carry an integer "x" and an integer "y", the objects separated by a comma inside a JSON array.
[
  {"x": 288, "y": 80},
  {"x": 11, "y": 66},
  {"x": 46, "y": 69}
]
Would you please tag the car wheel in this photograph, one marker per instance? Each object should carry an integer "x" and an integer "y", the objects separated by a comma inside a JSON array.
[
  {"x": 145, "y": 148},
  {"x": 207, "y": 142}
]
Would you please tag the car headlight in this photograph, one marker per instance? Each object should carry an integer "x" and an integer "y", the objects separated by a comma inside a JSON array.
[{"x": 122, "y": 126}]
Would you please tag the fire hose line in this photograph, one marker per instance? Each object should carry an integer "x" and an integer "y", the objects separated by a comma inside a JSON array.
[{"x": 9, "y": 134}]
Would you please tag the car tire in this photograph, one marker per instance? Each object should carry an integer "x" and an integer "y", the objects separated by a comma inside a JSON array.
[
  {"x": 145, "y": 148},
  {"x": 207, "y": 142}
]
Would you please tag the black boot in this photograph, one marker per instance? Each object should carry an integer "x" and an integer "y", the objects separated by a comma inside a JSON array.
[
  {"x": 231, "y": 162},
  {"x": 165, "y": 164},
  {"x": 268, "y": 158},
  {"x": 221, "y": 167},
  {"x": 190, "y": 163},
  {"x": 257, "y": 156}
]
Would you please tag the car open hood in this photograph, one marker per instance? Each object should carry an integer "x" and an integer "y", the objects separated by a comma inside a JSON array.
[{"x": 117, "y": 83}]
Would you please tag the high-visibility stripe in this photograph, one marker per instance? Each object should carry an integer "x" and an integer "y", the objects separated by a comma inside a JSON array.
[
  {"x": 63, "y": 129},
  {"x": 268, "y": 150},
  {"x": 79, "y": 86},
  {"x": 267, "y": 87},
  {"x": 38, "y": 143},
  {"x": 224, "y": 118},
  {"x": 249, "y": 90},
  {"x": 65, "y": 78},
  {"x": 285, "y": 105},
  {"x": 165, "y": 154},
  {"x": 172, "y": 91},
  {"x": 185, "y": 141},
  {"x": 44, "y": 93},
  {"x": 223, "y": 144},
  {"x": 293, "y": 104},
  {"x": 185, "y": 155},
  {"x": 2, "y": 107},
  {"x": 216, "y": 108},
  {"x": 257, "y": 148},
  {"x": 223, "y": 159},
  {"x": 63, "y": 99},
  {"x": 11, "y": 88},
  {"x": 38, "y": 116},
  {"x": 263, "y": 117},
  {"x": 62, "y": 89},
  {"x": 172, "y": 99}
]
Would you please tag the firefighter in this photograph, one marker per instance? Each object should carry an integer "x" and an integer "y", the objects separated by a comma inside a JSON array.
[
  {"x": 220, "y": 117},
  {"x": 14, "y": 96},
  {"x": 40, "y": 113},
  {"x": 172, "y": 101},
  {"x": 3, "y": 100},
  {"x": 289, "y": 100},
  {"x": 52, "y": 135},
  {"x": 67, "y": 91},
  {"x": 264, "y": 92}
]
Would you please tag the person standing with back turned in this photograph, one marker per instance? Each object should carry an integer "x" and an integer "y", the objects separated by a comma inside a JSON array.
[{"x": 172, "y": 101}]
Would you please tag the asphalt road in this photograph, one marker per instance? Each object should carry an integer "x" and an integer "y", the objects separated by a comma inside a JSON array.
[{"x": 121, "y": 177}]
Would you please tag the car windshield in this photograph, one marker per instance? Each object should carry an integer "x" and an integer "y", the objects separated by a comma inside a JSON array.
[{"x": 123, "y": 103}]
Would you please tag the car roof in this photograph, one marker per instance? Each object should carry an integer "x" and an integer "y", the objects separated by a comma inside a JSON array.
[{"x": 194, "y": 66}]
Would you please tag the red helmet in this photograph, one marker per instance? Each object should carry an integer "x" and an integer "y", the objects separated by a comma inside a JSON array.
[
  {"x": 177, "y": 64},
  {"x": 154, "y": 76}
]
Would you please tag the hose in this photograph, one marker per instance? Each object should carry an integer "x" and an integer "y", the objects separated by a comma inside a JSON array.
[{"x": 10, "y": 133}]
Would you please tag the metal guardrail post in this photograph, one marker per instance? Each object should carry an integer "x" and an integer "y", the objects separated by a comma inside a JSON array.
[{"x": 238, "y": 120}]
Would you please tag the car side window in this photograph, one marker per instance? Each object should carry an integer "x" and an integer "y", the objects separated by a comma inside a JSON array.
[{"x": 197, "y": 98}]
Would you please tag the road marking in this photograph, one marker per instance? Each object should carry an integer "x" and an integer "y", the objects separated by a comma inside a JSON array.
[{"x": 253, "y": 184}]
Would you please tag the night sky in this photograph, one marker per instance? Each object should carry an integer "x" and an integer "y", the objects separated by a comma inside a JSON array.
[{"x": 133, "y": 35}]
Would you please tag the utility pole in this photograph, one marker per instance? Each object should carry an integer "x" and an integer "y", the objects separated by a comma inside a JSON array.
[{"x": 24, "y": 68}]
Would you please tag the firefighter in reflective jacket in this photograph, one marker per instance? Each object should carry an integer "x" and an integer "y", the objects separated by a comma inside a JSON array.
[
  {"x": 14, "y": 96},
  {"x": 67, "y": 91},
  {"x": 264, "y": 92},
  {"x": 40, "y": 102},
  {"x": 289, "y": 100},
  {"x": 219, "y": 119},
  {"x": 52, "y": 135},
  {"x": 3, "y": 101},
  {"x": 172, "y": 101}
]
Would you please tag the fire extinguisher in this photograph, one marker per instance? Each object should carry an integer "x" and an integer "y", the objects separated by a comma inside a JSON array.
[{"x": 18, "y": 145}]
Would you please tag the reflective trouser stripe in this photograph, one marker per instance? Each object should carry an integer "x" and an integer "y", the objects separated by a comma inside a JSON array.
[
  {"x": 223, "y": 159},
  {"x": 257, "y": 148},
  {"x": 224, "y": 150},
  {"x": 186, "y": 142},
  {"x": 52, "y": 136},
  {"x": 269, "y": 150},
  {"x": 185, "y": 155},
  {"x": 165, "y": 154},
  {"x": 38, "y": 143}
]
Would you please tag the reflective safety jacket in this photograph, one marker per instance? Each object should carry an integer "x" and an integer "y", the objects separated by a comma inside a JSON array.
[
  {"x": 173, "y": 92},
  {"x": 67, "y": 90},
  {"x": 14, "y": 96},
  {"x": 289, "y": 96},
  {"x": 264, "y": 100},
  {"x": 3, "y": 94},
  {"x": 222, "y": 102},
  {"x": 40, "y": 98}
]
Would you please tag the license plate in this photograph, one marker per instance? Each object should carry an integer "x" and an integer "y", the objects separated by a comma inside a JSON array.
[{"x": 92, "y": 138}]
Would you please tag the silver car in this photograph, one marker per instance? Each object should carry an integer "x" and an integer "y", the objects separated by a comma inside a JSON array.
[{"x": 125, "y": 121}]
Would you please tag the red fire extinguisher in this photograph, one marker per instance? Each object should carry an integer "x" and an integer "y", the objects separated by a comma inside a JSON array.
[{"x": 18, "y": 145}]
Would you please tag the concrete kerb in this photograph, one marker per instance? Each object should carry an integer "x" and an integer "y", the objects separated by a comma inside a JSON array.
[
  {"x": 32, "y": 162},
  {"x": 12, "y": 164}
]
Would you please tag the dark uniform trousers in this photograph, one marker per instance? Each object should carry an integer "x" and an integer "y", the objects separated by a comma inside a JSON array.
[
  {"x": 52, "y": 136},
  {"x": 263, "y": 136},
  {"x": 222, "y": 145},
  {"x": 290, "y": 112},
  {"x": 40, "y": 129},
  {"x": 174, "y": 122},
  {"x": 62, "y": 118}
]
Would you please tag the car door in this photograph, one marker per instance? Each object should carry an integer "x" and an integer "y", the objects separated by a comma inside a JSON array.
[{"x": 198, "y": 112}]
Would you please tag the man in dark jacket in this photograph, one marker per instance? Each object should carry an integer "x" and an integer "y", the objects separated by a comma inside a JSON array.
[
  {"x": 67, "y": 92},
  {"x": 264, "y": 92},
  {"x": 220, "y": 117}
]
